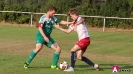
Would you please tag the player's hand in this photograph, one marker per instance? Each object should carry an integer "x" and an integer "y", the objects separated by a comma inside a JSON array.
[
  {"x": 75, "y": 28},
  {"x": 83, "y": 19},
  {"x": 72, "y": 22},
  {"x": 46, "y": 39},
  {"x": 57, "y": 26}
]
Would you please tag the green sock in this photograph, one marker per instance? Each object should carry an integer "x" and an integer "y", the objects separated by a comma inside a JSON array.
[
  {"x": 31, "y": 56},
  {"x": 55, "y": 58}
]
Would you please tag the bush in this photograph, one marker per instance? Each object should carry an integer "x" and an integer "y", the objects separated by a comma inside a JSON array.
[
  {"x": 110, "y": 8},
  {"x": 23, "y": 19}
]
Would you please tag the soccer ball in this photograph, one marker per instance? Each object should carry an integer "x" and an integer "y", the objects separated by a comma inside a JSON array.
[{"x": 63, "y": 65}]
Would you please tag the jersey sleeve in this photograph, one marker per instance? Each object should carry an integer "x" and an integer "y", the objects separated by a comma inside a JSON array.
[
  {"x": 56, "y": 20},
  {"x": 41, "y": 21},
  {"x": 71, "y": 27},
  {"x": 79, "y": 18}
]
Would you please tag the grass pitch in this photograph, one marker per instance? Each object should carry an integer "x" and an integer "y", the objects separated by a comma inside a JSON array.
[{"x": 106, "y": 49}]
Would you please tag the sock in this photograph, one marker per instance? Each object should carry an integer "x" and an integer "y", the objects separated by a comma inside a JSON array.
[
  {"x": 31, "y": 56},
  {"x": 86, "y": 60},
  {"x": 55, "y": 58},
  {"x": 73, "y": 59}
]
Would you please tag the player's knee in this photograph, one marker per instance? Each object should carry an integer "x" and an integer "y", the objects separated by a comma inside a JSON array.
[
  {"x": 58, "y": 50},
  {"x": 73, "y": 50},
  {"x": 79, "y": 58},
  {"x": 37, "y": 50}
]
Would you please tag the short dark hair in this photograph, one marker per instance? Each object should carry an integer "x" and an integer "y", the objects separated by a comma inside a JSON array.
[
  {"x": 52, "y": 8},
  {"x": 73, "y": 11}
]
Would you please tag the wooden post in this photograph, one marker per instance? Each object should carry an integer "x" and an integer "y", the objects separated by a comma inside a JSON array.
[
  {"x": 31, "y": 19},
  {"x": 104, "y": 22},
  {"x": 67, "y": 20}
]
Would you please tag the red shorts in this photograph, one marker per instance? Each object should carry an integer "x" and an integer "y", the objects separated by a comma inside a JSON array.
[{"x": 83, "y": 43}]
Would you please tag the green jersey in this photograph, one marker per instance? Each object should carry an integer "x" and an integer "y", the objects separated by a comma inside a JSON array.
[{"x": 47, "y": 24}]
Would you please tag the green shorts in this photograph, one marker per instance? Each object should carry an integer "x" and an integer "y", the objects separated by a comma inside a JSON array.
[{"x": 40, "y": 40}]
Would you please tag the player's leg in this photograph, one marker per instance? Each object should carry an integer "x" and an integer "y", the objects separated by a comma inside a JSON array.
[
  {"x": 83, "y": 43},
  {"x": 52, "y": 44},
  {"x": 33, "y": 54},
  {"x": 85, "y": 59},
  {"x": 56, "y": 55},
  {"x": 73, "y": 58},
  {"x": 73, "y": 55},
  {"x": 39, "y": 43}
]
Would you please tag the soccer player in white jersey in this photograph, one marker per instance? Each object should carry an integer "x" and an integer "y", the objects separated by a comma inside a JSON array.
[{"x": 84, "y": 40}]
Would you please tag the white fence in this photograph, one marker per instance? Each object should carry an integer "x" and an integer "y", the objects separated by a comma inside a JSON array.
[{"x": 104, "y": 18}]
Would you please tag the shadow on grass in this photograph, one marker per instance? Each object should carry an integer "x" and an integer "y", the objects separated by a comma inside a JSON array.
[
  {"x": 107, "y": 66},
  {"x": 123, "y": 66},
  {"x": 38, "y": 67}
]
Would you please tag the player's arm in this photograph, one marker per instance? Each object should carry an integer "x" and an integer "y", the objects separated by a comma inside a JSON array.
[
  {"x": 65, "y": 22},
  {"x": 78, "y": 22},
  {"x": 42, "y": 33},
  {"x": 40, "y": 25},
  {"x": 61, "y": 21},
  {"x": 64, "y": 30}
]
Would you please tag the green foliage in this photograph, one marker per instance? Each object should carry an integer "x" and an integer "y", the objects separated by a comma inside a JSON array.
[
  {"x": 110, "y": 8},
  {"x": 23, "y": 18},
  {"x": 116, "y": 8}
]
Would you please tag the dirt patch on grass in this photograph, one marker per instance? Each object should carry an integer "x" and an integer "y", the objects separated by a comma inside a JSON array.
[
  {"x": 111, "y": 30},
  {"x": 21, "y": 47},
  {"x": 90, "y": 28},
  {"x": 109, "y": 57},
  {"x": 16, "y": 24},
  {"x": 24, "y": 47}
]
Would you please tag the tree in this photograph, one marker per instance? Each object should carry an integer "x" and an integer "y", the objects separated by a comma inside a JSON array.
[{"x": 117, "y": 8}]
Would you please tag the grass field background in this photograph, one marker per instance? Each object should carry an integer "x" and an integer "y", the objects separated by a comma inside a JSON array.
[{"x": 106, "y": 49}]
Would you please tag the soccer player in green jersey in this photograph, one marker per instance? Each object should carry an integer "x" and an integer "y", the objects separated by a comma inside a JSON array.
[{"x": 45, "y": 27}]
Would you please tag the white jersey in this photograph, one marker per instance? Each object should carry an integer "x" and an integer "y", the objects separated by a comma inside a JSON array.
[{"x": 81, "y": 29}]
